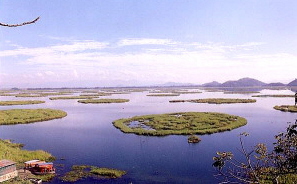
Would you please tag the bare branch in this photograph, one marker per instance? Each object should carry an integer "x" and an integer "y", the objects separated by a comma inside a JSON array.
[{"x": 22, "y": 24}]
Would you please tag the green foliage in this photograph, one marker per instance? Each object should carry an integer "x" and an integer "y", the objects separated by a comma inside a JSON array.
[
  {"x": 286, "y": 108},
  {"x": 73, "y": 97},
  {"x": 110, "y": 173},
  {"x": 260, "y": 165},
  {"x": 193, "y": 139},
  {"x": 24, "y": 116},
  {"x": 184, "y": 123},
  {"x": 14, "y": 151},
  {"x": 240, "y": 92},
  {"x": 164, "y": 94},
  {"x": 106, "y": 100},
  {"x": 216, "y": 100},
  {"x": 274, "y": 96},
  {"x": 79, "y": 172},
  {"x": 28, "y": 102},
  {"x": 222, "y": 100}
]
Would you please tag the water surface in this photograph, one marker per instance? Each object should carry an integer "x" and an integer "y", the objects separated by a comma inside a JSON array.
[{"x": 87, "y": 136}]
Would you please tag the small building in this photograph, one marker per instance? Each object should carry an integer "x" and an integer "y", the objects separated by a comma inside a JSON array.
[
  {"x": 44, "y": 168},
  {"x": 32, "y": 163},
  {"x": 7, "y": 170}
]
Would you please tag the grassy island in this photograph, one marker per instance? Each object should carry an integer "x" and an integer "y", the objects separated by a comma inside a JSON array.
[
  {"x": 73, "y": 97},
  {"x": 105, "y": 100},
  {"x": 14, "y": 151},
  {"x": 79, "y": 172},
  {"x": 240, "y": 92},
  {"x": 216, "y": 100},
  {"x": 275, "y": 96},
  {"x": 28, "y": 102},
  {"x": 286, "y": 108},
  {"x": 163, "y": 94},
  {"x": 193, "y": 139},
  {"x": 24, "y": 116},
  {"x": 184, "y": 123}
]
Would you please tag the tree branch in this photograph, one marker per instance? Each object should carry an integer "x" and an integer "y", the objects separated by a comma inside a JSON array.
[{"x": 22, "y": 24}]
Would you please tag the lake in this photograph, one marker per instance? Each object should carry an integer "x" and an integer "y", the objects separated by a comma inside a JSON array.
[{"x": 86, "y": 136}]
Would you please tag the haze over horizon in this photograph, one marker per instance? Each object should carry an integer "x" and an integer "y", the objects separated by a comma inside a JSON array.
[{"x": 137, "y": 42}]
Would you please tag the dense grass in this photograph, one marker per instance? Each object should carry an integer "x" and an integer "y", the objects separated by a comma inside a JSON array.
[
  {"x": 275, "y": 96},
  {"x": 107, "y": 172},
  {"x": 282, "y": 179},
  {"x": 105, "y": 100},
  {"x": 286, "y": 108},
  {"x": 14, "y": 152},
  {"x": 193, "y": 139},
  {"x": 35, "y": 94},
  {"x": 79, "y": 172},
  {"x": 73, "y": 97},
  {"x": 240, "y": 92},
  {"x": 216, "y": 100},
  {"x": 188, "y": 92},
  {"x": 184, "y": 123},
  {"x": 24, "y": 116},
  {"x": 28, "y": 102},
  {"x": 163, "y": 94}
]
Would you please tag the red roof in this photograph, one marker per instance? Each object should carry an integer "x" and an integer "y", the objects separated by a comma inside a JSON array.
[{"x": 4, "y": 163}]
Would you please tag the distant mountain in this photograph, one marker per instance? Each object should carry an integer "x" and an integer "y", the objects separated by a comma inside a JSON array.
[
  {"x": 244, "y": 82},
  {"x": 212, "y": 84},
  {"x": 293, "y": 83},
  {"x": 275, "y": 84}
]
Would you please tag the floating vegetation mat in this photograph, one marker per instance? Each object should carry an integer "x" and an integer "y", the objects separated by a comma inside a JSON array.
[
  {"x": 163, "y": 94},
  {"x": 28, "y": 102},
  {"x": 14, "y": 151},
  {"x": 286, "y": 108},
  {"x": 275, "y": 96},
  {"x": 24, "y": 116},
  {"x": 216, "y": 100},
  {"x": 105, "y": 100},
  {"x": 240, "y": 92},
  {"x": 79, "y": 172},
  {"x": 72, "y": 97},
  {"x": 183, "y": 123}
]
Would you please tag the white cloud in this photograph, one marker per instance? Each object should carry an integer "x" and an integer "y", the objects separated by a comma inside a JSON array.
[
  {"x": 181, "y": 62},
  {"x": 144, "y": 41}
]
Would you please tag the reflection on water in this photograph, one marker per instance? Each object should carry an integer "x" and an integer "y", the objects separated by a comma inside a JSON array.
[
  {"x": 138, "y": 124},
  {"x": 87, "y": 136}
]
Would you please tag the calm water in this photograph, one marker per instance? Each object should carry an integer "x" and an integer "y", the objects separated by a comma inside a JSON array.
[{"x": 87, "y": 136}]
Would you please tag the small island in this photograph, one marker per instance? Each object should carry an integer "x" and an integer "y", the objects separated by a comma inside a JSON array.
[
  {"x": 216, "y": 100},
  {"x": 28, "y": 102},
  {"x": 163, "y": 94},
  {"x": 286, "y": 108},
  {"x": 24, "y": 116},
  {"x": 79, "y": 172},
  {"x": 274, "y": 96},
  {"x": 193, "y": 139},
  {"x": 183, "y": 123},
  {"x": 73, "y": 97},
  {"x": 103, "y": 100}
]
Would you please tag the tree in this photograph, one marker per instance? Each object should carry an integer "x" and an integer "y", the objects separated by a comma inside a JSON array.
[
  {"x": 21, "y": 24},
  {"x": 259, "y": 165}
]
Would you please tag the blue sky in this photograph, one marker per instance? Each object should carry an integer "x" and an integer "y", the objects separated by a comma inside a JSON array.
[{"x": 144, "y": 42}]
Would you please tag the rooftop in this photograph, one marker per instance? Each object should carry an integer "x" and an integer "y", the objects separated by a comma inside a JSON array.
[{"x": 4, "y": 163}]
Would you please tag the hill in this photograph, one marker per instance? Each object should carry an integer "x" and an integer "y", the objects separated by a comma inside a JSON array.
[
  {"x": 293, "y": 83},
  {"x": 212, "y": 84},
  {"x": 244, "y": 82},
  {"x": 275, "y": 84}
]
